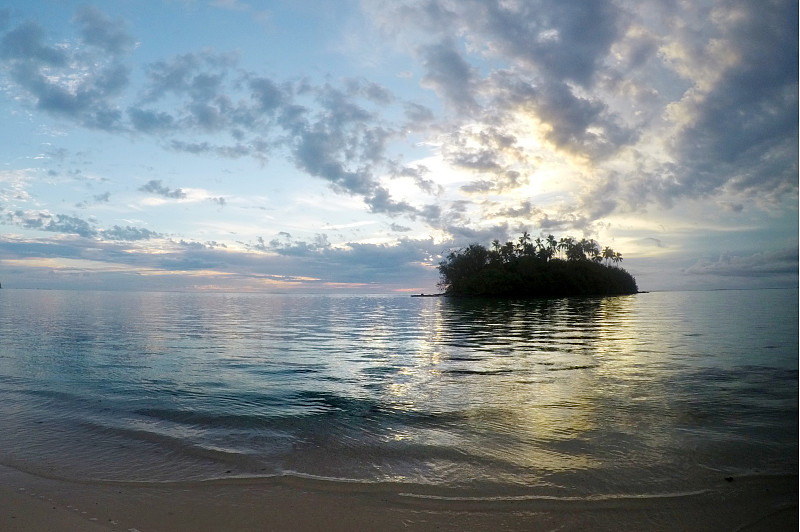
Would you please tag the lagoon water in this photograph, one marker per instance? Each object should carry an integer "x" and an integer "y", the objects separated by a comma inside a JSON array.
[{"x": 649, "y": 395}]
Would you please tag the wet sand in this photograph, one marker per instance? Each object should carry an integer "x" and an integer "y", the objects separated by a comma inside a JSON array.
[{"x": 33, "y": 503}]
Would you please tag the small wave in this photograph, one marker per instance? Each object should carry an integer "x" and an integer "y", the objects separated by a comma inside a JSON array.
[
  {"x": 477, "y": 372},
  {"x": 570, "y": 368},
  {"x": 203, "y": 419},
  {"x": 615, "y": 497}
]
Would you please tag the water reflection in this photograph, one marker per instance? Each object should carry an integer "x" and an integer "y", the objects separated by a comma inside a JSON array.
[
  {"x": 644, "y": 389},
  {"x": 523, "y": 371}
]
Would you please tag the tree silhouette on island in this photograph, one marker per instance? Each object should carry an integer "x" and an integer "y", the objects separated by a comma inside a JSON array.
[{"x": 535, "y": 268}]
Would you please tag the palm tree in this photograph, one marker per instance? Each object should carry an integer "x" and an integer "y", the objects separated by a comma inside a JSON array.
[
  {"x": 525, "y": 244},
  {"x": 617, "y": 257},
  {"x": 495, "y": 253},
  {"x": 608, "y": 254},
  {"x": 551, "y": 241},
  {"x": 574, "y": 250},
  {"x": 589, "y": 249},
  {"x": 565, "y": 244},
  {"x": 507, "y": 251}
]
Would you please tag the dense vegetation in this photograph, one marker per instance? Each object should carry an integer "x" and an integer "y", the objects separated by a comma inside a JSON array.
[{"x": 535, "y": 268}]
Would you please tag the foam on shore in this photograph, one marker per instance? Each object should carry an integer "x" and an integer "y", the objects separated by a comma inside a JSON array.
[{"x": 29, "y": 502}]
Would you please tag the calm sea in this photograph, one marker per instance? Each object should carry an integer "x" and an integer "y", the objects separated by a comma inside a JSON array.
[{"x": 657, "y": 393}]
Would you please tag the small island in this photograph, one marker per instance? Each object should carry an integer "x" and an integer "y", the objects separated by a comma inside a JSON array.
[{"x": 540, "y": 268}]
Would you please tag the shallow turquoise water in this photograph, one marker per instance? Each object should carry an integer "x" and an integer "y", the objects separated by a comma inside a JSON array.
[{"x": 657, "y": 393}]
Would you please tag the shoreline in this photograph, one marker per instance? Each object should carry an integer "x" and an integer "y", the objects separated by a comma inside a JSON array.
[{"x": 29, "y": 502}]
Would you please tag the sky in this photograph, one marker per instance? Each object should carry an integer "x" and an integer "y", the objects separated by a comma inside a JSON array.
[{"x": 348, "y": 146}]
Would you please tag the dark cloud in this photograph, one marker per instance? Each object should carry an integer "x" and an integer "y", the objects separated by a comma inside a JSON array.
[
  {"x": 97, "y": 198},
  {"x": 400, "y": 262},
  {"x": 418, "y": 174},
  {"x": 449, "y": 75},
  {"x": 284, "y": 244},
  {"x": 73, "y": 225},
  {"x": 565, "y": 41},
  {"x": 369, "y": 90},
  {"x": 333, "y": 133},
  {"x": 500, "y": 183},
  {"x": 154, "y": 186},
  {"x": 525, "y": 210},
  {"x": 431, "y": 213},
  {"x": 744, "y": 134},
  {"x": 765, "y": 264},
  {"x": 128, "y": 233},
  {"x": 381, "y": 201},
  {"x": 150, "y": 121},
  {"x": 417, "y": 116},
  {"x": 490, "y": 152},
  {"x": 399, "y": 228},
  {"x": 463, "y": 236},
  {"x": 98, "y": 30},
  {"x": 730, "y": 118},
  {"x": 198, "y": 75},
  {"x": 267, "y": 94},
  {"x": 25, "y": 49},
  {"x": 559, "y": 60},
  {"x": 579, "y": 124},
  {"x": 338, "y": 138},
  {"x": 63, "y": 223},
  {"x": 79, "y": 84},
  {"x": 102, "y": 198}
]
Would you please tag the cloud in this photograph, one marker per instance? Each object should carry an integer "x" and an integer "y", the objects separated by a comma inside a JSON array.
[
  {"x": 578, "y": 124},
  {"x": 14, "y": 187},
  {"x": 395, "y": 263},
  {"x": 154, "y": 186},
  {"x": 765, "y": 264},
  {"x": 635, "y": 103},
  {"x": 656, "y": 107},
  {"x": 284, "y": 244},
  {"x": 98, "y": 30},
  {"x": 333, "y": 133},
  {"x": 417, "y": 174},
  {"x": 267, "y": 94},
  {"x": 739, "y": 130},
  {"x": 24, "y": 47},
  {"x": 233, "y": 5},
  {"x": 73, "y": 225},
  {"x": 399, "y": 228},
  {"x": 97, "y": 198},
  {"x": 368, "y": 90},
  {"x": 71, "y": 82},
  {"x": 449, "y": 75},
  {"x": 149, "y": 121},
  {"x": 566, "y": 41},
  {"x": 128, "y": 233},
  {"x": 61, "y": 223}
]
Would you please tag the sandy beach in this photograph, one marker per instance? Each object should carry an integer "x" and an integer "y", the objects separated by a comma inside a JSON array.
[{"x": 33, "y": 503}]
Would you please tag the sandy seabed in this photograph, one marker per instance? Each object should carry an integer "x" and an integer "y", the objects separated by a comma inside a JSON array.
[{"x": 34, "y": 503}]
